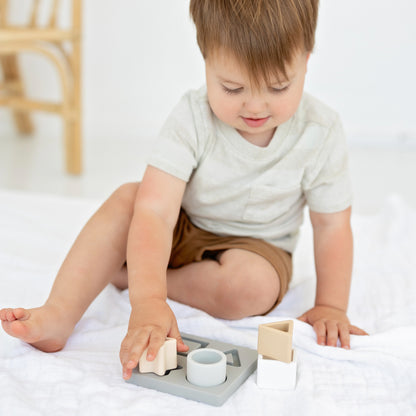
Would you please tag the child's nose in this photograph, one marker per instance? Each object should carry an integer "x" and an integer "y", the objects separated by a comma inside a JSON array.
[{"x": 255, "y": 104}]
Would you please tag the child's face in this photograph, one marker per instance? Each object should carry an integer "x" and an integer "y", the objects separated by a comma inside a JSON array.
[{"x": 253, "y": 112}]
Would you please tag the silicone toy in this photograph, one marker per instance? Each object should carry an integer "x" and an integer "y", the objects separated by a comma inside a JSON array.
[
  {"x": 241, "y": 363},
  {"x": 166, "y": 359},
  {"x": 275, "y": 340},
  {"x": 276, "y": 362},
  {"x": 274, "y": 374},
  {"x": 206, "y": 367}
]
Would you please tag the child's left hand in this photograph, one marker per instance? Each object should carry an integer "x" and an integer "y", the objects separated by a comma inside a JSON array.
[{"x": 330, "y": 324}]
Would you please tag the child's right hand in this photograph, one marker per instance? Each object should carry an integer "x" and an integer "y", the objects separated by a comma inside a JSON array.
[{"x": 150, "y": 323}]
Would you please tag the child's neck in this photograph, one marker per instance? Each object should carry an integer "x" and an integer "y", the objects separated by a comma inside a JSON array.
[{"x": 261, "y": 139}]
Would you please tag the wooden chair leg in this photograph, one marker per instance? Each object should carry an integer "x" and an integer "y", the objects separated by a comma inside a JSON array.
[
  {"x": 12, "y": 78},
  {"x": 73, "y": 140},
  {"x": 72, "y": 137},
  {"x": 73, "y": 126}
]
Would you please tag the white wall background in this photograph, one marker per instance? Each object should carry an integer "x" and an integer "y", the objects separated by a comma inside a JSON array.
[{"x": 141, "y": 55}]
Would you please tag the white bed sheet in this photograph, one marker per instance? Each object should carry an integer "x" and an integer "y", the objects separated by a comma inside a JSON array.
[{"x": 376, "y": 377}]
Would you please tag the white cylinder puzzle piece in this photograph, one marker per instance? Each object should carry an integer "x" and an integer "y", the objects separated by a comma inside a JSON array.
[
  {"x": 166, "y": 359},
  {"x": 206, "y": 367}
]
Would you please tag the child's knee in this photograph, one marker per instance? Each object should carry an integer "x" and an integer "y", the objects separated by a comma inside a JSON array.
[
  {"x": 125, "y": 196},
  {"x": 250, "y": 285},
  {"x": 127, "y": 191}
]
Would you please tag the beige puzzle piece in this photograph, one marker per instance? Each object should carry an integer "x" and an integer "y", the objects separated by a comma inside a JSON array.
[{"x": 275, "y": 341}]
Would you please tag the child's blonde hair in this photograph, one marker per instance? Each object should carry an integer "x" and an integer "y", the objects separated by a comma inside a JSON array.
[{"x": 263, "y": 35}]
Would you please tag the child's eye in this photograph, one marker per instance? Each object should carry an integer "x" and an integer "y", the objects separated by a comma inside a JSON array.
[
  {"x": 232, "y": 91},
  {"x": 279, "y": 90}
]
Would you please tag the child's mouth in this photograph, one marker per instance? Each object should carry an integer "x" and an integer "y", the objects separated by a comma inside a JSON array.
[{"x": 255, "y": 122}]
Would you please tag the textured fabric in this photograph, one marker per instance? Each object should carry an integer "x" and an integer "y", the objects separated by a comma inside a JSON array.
[
  {"x": 236, "y": 188},
  {"x": 191, "y": 244},
  {"x": 377, "y": 376}
]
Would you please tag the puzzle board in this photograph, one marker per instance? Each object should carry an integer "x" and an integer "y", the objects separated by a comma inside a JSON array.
[{"x": 241, "y": 362}]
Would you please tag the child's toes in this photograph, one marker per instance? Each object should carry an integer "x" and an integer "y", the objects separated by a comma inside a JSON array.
[
  {"x": 7, "y": 315},
  {"x": 21, "y": 314},
  {"x": 18, "y": 329},
  {"x": 10, "y": 315}
]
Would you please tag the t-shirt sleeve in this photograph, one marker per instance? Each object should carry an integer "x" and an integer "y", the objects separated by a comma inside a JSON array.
[
  {"x": 176, "y": 148},
  {"x": 327, "y": 184}
]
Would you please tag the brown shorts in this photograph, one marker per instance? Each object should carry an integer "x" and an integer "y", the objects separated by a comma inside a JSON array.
[{"x": 191, "y": 244}]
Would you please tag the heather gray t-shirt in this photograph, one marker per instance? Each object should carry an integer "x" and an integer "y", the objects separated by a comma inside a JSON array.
[{"x": 235, "y": 188}]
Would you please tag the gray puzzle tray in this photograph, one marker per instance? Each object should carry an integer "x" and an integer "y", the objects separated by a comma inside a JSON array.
[{"x": 241, "y": 362}]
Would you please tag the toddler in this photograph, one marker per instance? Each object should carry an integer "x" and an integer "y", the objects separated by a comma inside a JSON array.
[{"x": 214, "y": 222}]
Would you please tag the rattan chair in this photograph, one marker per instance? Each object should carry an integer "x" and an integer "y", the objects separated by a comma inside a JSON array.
[{"x": 51, "y": 42}]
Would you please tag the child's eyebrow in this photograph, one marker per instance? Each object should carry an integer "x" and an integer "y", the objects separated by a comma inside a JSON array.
[
  {"x": 280, "y": 83},
  {"x": 287, "y": 80},
  {"x": 275, "y": 82},
  {"x": 228, "y": 81}
]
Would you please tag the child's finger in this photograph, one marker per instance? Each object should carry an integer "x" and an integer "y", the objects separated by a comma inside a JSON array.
[
  {"x": 332, "y": 333},
  {"x": 127, "y": 373},
  {"x": 344, "y": 335},
  {"x": 174, "y": 333},
  {"x": 130, "y": 362},
  {"x": 354, "y": 330},
  {"x": 157, "y": 339},
  {"x": 320, "y": 330},
  {"x": 128, "y": 368},
  {"x": 131, "y": 350},
  {"x": 181, "y": 346},
  {"x": 303, "y": 318}
]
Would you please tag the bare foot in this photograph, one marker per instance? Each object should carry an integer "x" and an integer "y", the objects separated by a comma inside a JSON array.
[{"x": 41, "y": 327}]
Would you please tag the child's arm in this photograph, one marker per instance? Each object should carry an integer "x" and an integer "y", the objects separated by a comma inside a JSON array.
[
  {"x": 148, "y": 251},
  {"x": 333, "y": 246}
]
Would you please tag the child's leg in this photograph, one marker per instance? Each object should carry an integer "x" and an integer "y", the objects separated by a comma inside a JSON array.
[
  {"x": 96, "y": 257},
  {"x": 241, "y": 283}
]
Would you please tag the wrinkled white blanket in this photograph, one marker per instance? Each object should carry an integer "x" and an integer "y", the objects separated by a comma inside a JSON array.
[{"x": 376, "y": 377}]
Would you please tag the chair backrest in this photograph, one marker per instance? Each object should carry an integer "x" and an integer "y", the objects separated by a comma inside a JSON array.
[
  {"x": 38, "y": 7},
  {"x": 35, "y": 13},
  {"x": 3, "y": 12}
]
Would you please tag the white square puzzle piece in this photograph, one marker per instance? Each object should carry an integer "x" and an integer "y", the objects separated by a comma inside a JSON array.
[{"x": 274, "y": 374}]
